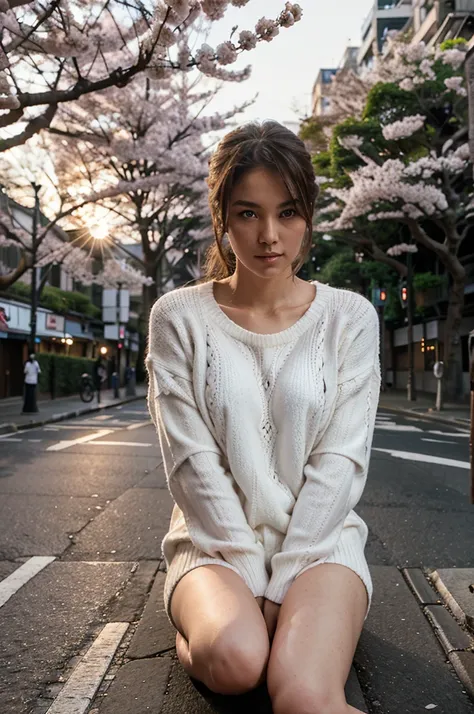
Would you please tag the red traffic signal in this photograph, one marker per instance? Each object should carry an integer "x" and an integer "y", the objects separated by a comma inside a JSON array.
[
  {"x": 404, "y": 294},
  {"x": 383, "y": 295},
  {"x": 120, "y": 345}
]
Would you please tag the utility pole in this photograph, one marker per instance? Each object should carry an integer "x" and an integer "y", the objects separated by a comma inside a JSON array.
[
  {"x": 411, "y": 387},
  {"x": 119, "y": 351},
  {"x": 34, "y": 285}
]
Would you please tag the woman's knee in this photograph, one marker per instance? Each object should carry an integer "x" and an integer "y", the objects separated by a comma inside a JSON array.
[
  {"x": 307, "y": 699},
  {"x": 230, "y": 665}
]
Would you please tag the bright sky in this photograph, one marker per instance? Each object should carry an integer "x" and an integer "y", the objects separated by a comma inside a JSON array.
[{"x": 284, "y": 70}]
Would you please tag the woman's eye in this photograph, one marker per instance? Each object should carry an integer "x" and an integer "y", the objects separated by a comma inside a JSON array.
[
  {"x": 289, "y": 213},
  {"x": 245, "y": 214}
]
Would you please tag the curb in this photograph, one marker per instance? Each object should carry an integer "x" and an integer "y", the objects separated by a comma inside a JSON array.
[
  {"x": 465, "y": 423},
  {"x": 455, "y": 639},
  {"x": 12, "y": 427}
]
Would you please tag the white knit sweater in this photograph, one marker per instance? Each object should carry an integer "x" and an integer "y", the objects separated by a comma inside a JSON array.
[{"x": 265, "y": 437}]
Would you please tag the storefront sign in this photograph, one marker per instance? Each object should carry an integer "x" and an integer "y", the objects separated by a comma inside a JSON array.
[{"x": 55, "y": 322}]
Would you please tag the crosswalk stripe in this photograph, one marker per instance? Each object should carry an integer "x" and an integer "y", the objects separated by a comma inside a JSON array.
[
  {"x": 426, "y": 458},
  {"x": 22, "y": 575},
  {"x": 60, "y": 446},
  {"x": 118, "y": 443},
  {"x": 81, "y": 687}
]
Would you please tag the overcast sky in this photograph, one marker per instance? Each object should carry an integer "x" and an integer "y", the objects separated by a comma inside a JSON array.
[{"x": 284, "y": 70}]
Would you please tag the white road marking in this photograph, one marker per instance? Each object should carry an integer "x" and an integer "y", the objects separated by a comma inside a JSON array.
[
  {"x": 21, "y": 575},
  {"x": 397, "y": 427},
  {"x": 387, "y": 418},
  {"x": 118, "y": 443},
  {"x": 139, "y": 424},
  {"x": 450, "y": 433},
  {"x": 136, "y": 412},
  {"x": 60, "y": 446},
  {"x": 73, "y": 426},
  {"x": 35, "y": 441},
  {"x": 4, "y": 437},
  {"x": 11, "y": 439},
  {"x": 425, "y": 458},
  {"x": 439, "y": 441},
  {"x": 81, "y": 687},
  {"x": 102, "y": 417}
]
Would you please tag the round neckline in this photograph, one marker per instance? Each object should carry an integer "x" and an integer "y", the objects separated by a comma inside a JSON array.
[{"x": 268, "y": 339}]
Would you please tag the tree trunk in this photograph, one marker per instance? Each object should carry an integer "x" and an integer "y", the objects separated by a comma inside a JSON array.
[
  {"x": 470, "y": 89},
  {"x": 452, "y": 379}
]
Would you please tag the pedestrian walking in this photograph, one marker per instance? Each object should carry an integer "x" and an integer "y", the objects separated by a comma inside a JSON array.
[
  {"x": 31, "y": 370},
  {"x": 264, "y": 389},
  {"x": 100, "y": 375}
]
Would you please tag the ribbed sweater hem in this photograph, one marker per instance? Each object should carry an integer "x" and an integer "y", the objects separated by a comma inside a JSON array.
[
  {"x": 187, "y": 558},
  {"x": 348, "y": 552}
]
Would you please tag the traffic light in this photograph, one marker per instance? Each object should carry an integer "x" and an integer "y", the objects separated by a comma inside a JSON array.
[
  {"x": 379, "y": 297},
  {"x": 120, "y": 345},
  {"x": 403, "y": 294}
]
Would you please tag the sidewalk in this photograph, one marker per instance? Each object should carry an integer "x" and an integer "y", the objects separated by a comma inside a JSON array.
[
  {"x": 396, "y": 401},
  {"x": 52, "y": 410}
]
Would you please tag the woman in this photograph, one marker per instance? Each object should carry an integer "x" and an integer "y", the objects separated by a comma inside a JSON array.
[{"x": 264, "y": 389}]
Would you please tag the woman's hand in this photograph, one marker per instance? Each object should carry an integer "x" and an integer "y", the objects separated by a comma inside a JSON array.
[{"x": 271, "y": 610}]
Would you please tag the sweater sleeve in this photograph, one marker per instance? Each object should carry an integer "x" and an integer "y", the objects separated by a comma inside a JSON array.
[
  {"x": 197, "y": 477},
  {"x": 336, "y": 471}
]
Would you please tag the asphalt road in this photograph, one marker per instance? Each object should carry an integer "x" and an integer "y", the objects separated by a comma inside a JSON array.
[{"x": 82, "y": 502}]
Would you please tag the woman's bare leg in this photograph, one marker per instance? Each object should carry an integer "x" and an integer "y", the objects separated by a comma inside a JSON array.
[
  {"x": 319, "y": 625},
  {"x": 222, "y": 638}
]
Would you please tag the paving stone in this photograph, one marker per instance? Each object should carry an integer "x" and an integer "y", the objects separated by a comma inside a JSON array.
[
  {"x": 421, "y": 587},
  {"x": 154, "y": 633},
  {"x": 453, "y": 584},
  {"x": 452, "y": 637},
  {"x": 132, "y": 601},
  {"x": 463, "y": 663},
  {"x": 138, "y": 688},
  {"x": 181, "y": 697},
  {"x": 353, "y": 691},
  {"x": 399, "y": 661}
]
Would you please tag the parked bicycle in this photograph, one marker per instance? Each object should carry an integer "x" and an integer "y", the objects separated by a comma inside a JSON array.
[{"x": 86, "y": 388}]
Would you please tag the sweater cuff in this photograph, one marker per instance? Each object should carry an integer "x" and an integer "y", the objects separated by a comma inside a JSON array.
[{"x": 281, "y": 581}]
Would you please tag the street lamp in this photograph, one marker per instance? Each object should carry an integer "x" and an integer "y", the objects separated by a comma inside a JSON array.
[{"x": 409, "y": 249}]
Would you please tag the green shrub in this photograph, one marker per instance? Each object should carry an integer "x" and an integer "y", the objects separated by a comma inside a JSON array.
[
  {"x": 57, "y": 300},
  {"x": 426, "y": 281},
  {"x": 62, "y": 373}
]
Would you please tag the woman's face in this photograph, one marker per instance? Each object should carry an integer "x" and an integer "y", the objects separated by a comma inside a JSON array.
[{"x": 264, "y": 221}]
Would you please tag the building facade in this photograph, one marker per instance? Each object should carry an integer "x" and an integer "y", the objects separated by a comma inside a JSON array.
[
  {"x": 321, "y": 102},
  {"x": 434, "y": 21},
  {"x": 384, "y": 16}
]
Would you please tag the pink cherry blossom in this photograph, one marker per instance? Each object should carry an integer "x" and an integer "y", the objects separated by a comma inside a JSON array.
[
  {"x": 226, "y": 53},
  {"x": 403, "y": 128},
  {"x": 247, "y": 40},
  {"x": 267, "y": 29}
]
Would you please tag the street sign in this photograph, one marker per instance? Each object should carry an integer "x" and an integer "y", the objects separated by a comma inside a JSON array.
[{"x": 115, "y": 306}]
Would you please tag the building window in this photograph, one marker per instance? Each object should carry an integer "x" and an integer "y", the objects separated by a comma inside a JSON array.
[{"x": 327, "y": 75}]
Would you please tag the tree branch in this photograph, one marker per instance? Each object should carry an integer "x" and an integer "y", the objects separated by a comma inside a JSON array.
[
  {"x": 22, "y": 267},
  {"x": 33, "y": 127}
]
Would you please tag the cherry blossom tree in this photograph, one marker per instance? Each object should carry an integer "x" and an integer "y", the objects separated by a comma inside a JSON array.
[
  {"x": 141, "y": 152},
  {"x": 32, "y": 187},
  {"x": 406, "y": 164},
  {"x": 54, "y": 53}
]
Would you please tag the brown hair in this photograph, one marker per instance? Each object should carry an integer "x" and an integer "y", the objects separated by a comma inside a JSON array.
[{"x": 251, "y": 146}]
